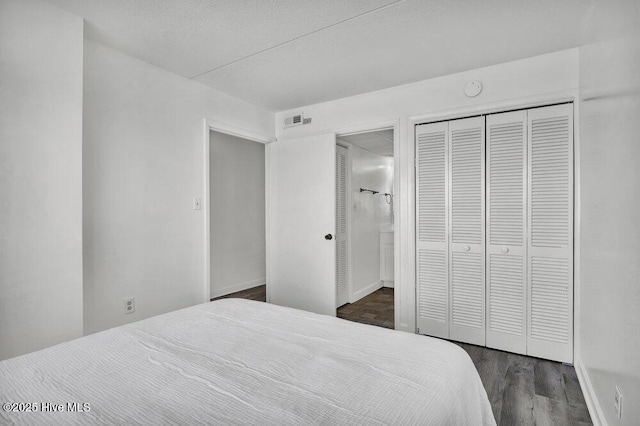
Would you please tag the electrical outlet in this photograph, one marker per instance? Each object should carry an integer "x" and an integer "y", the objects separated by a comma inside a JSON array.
[
  {"x": 129, "y": 305},
  {"x": 618, "y": 402}
]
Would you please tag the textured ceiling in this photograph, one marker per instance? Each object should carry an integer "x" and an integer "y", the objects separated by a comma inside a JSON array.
[
  {"x": 282, "y": 54},
  {"x": 379, "y": 142}
]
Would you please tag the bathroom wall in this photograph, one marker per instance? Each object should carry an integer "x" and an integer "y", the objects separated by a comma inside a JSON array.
[{"x": 368, "y": 214}]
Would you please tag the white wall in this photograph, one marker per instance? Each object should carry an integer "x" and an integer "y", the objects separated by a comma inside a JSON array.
[
  {"x": 238, "y": 257},
  {"x": 610, "y": 201},
  {"x": 143, "y": 164},
  {"x": 537, "y": 79},
  {"x": 368, "y": 212},
  {"x": 40, "y": 176}
]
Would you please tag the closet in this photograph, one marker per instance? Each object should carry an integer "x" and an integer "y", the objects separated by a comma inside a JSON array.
[{"x": 494, "y": 231}]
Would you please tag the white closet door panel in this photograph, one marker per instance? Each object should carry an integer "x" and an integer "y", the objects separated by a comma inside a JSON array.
[
  {"x": 550, "y": 251},
  {"x": 467, "y": 298},
  {"x": 431, "y": 182},
  {"x": 432, "y": 292},
  {"x": 342, "y": 294},
  {"x": 506, "y": 313},
  {"x": 466, "y": 223},
  {"x": 506, "y": 231}
]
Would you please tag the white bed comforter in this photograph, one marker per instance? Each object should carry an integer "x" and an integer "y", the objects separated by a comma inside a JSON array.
[{"x": 242, "y": 362}]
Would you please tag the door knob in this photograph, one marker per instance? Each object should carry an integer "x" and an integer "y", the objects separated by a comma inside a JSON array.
[
  {"x": 505, "y": 249},
  {"x": 467, "y": 248},
  {"x": 328, "y": 237}
]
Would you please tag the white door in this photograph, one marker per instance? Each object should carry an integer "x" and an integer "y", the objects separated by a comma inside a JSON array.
[
  {"x": 432, "y": 257},
  {"x": 342, "y": 170},
  {"x": 302, "y": 222},
  {"x": 550, "y": 254},
  {"x": 506, "y": 231},
  {"x": 466, "y": 235}
]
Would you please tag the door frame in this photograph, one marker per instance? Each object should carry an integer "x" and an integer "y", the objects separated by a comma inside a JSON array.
[
  {"x": 397, "y": 277},
  {"x": 216, "y": 126}
]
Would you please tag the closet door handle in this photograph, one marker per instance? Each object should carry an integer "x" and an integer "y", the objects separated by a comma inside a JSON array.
[
  {"x": 505, "y": 249},
  {"x": 328, "y": 237},
  {"x": 467, "y": 248}
]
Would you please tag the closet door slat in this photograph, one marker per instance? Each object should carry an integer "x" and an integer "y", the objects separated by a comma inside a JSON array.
[
  {"x": 466, "y": 223},
  {"x": 550, "y": 259},
  {"x": 432, "y": 277},
  {"x": 506, "y": 231}
]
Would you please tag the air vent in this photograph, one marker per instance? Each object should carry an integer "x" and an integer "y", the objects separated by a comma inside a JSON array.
[{"x": 296, "y": 120}]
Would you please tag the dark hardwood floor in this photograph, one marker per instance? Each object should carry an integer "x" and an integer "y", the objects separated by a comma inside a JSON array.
[
  {"x": 522, "y": 390},
  {"x": 256, "y": 293},
  {"x": 374, "y": 309},
  {"x": 529, "y": 391}
]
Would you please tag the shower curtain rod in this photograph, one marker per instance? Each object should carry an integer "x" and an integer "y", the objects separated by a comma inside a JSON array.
[{"x": 373, "y": 192}]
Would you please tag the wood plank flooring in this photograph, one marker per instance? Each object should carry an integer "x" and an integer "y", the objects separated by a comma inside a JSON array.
[
  {"x": 258, "y": 293},
  {"x": 522, "y": 390},
  {"x": 374, "y": 309}
]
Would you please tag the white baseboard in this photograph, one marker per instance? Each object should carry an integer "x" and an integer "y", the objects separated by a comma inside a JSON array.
[
  {"x": 357, "y": 295},
  {"x": 388, "y": 284},
  {"x": 595, "y": 411},
  {"x": 237, "y": 287}
]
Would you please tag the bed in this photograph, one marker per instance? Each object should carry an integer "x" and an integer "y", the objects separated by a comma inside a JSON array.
[{"x": 236, "y": 361}]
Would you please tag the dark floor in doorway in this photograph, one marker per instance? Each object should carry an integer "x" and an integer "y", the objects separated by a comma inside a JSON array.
[
  {"x": 374, "y": 309},
  {"x": 258, "y": 293}
]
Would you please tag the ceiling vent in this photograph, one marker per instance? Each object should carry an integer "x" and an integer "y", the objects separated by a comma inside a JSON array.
[{"x": 296, "y": 120}]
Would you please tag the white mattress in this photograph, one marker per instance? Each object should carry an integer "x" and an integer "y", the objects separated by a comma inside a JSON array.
[{"x": 242, "y": 362}]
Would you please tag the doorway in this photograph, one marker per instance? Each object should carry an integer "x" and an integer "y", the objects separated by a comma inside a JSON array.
[
  {"x": 237, "y": 259},
  {"x": 365, "y": 278}
]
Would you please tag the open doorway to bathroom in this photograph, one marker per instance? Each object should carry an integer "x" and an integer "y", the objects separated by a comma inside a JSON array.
[{"x": 364, "y": 221}]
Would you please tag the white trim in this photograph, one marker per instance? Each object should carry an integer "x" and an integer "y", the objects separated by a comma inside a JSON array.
[
  {"x": 595, "y": 411},
  {"x": 499, "y": 106},
  {"x": 366, "y": 291},
  {"x": 237, "y": 287},
  {"x": 494, "y": 107},
  {"x": 410, "y": 154},
  {"x": 206, "y": 205},
  {"x": 576, "y": 231},
  {"x": 367, "y": 128},
  {"x": 267, "y": 226},
  {"x": 236, "y": 131}
]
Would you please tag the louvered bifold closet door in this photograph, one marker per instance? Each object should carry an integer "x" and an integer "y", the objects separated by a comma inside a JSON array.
[
  {"x": 466, "y": 235},
  {"x": 432, "y": 289},
  {"x": 506, "y": 231},
  {"x": 342, "y": 295},
  {"x": 550, "y": 260}
]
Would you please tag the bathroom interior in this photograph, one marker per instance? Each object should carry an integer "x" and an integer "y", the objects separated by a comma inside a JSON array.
[{"x": 367, "y": 271}]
